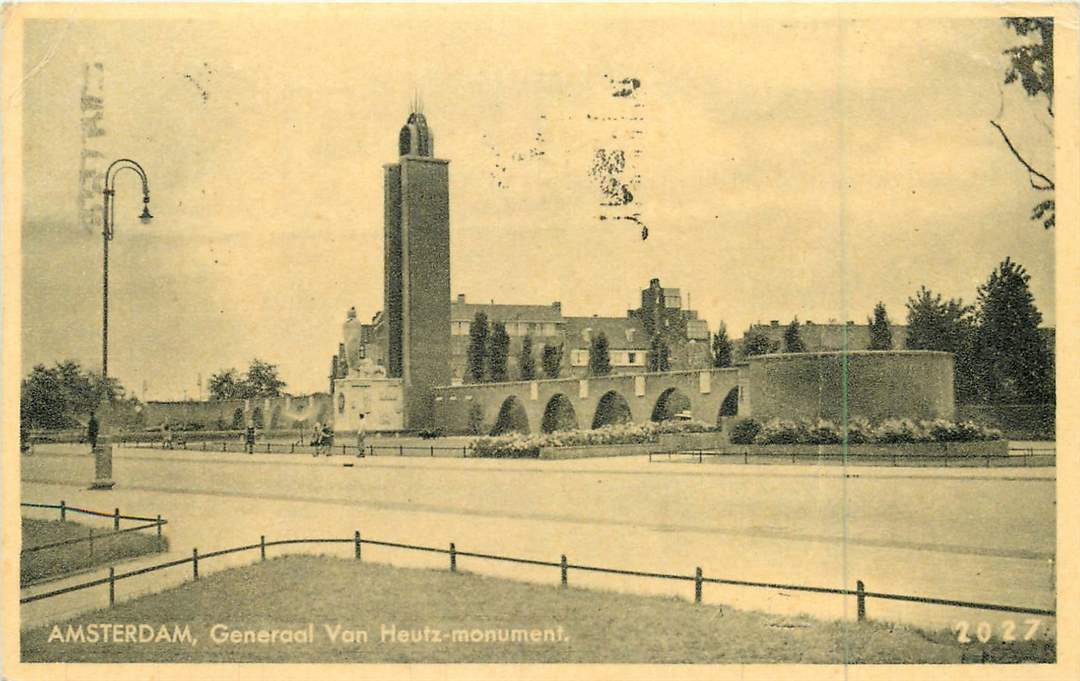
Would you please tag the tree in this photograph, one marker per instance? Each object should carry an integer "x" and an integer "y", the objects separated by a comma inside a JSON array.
[
  {"x": 757, "y": 342},
  {"x": 793, "y": 341},
  {"x": 880, "y": 331},
  {"x": 552, "y": 360},
  {"x": 261, "y": 380},
  {"x": 498, "y": 350},
  {"x": 225, "y": 385},
  {"x": 599, "y": 357},
  {"x": 948, "y": 326},
  {"x": 476, "y": 355},
  {"x": 1015, "y": 362},
  {"x": 721, "y": 347},
  {"x": 526, "y": 361},
  {"x": 659, "y": 354},
  {"x": 936, "y": 324},
  {"x": 1033, "y": 65},
  {"x": 63, "y": 397}
]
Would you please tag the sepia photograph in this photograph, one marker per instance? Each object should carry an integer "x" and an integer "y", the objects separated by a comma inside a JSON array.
[{"x": 538, "y": 335}]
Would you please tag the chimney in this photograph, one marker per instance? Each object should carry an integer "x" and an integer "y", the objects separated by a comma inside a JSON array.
[{"x": 461, "y": 297}]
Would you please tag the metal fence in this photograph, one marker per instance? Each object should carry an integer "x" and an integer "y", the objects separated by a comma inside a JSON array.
[
  {"x": 298, "y": 448},
  {"x": 1020, "y": 457},
  {"x": 116, "y": 516},
  {"x": 564, "y": 566}
]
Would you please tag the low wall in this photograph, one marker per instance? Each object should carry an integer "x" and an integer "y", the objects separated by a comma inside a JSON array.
[{"x": 681, "y": 442}]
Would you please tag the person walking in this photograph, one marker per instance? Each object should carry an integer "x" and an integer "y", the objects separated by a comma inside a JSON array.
[
  {"x": 361, "y": 433},
  {"x": 249, "y": 439},
  {"x": 316, "y": 438},
  {"x": 92, "y": 431}
]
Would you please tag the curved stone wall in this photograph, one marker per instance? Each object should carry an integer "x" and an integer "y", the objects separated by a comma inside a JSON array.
[{"x": 916, "y": 384}]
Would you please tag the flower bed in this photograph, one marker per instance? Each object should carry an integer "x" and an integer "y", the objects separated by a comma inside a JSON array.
[
  {"x": 860, "y": 431},
  {"x": 519, "y": 446}
]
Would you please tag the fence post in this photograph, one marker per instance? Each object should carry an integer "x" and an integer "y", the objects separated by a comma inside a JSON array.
[
  {"x": 453, "y": 558},
  {"x": 746, "y": 456},
  {"x": 562, "y": 566},
  {"x": 112, "y": 586},
  {"x": 91, "y": 542},
  {"x": 195, "y": 563},
  {"x": 699, "y": 455},
  {"x": 357, "y": 544},
  {"x": 116, "y": 519},
  {"x": 63, "y": 510},
  {"x": 697, "y": 585},
  {"x": 464, "y": 452},
  {"x": 262, "y": 547},
  {"x": 433, "y": 450},
  {"x": 860, "y": 600},
  {"x": 159, "y": 526}
]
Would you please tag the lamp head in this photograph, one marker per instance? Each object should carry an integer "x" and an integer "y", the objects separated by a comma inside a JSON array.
[{"x": 146, "y": 216}]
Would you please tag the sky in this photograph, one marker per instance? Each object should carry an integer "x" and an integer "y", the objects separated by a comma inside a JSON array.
[{"x": 787, "y": 164}]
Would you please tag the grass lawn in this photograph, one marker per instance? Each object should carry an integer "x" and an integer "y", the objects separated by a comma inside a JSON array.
[
  {"x": 70, "y": 558},
  {"x": 448, "y": 617}
]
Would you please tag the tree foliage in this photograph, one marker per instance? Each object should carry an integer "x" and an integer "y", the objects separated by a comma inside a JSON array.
[
  {"x": 498, "y": 351},
  {"x": 880, "y": 330},
  {"x": 659, "y": 354},
  {"x": 552, "y": 360},
  {"x": 1032, "y": 64},
  {"x": 599, "y": 356},
  {"x": 721, "y": 347},
  {"x": 260, "y": 380},
  {"x": 793, "y": 341},
  {"x": 1016, "y": 363},
  {"x": 64, "y": 395},
  {"x": 526, "y": 361},
  {"x": 757, "y": 342},
  {"x": 476, "y": 355}
]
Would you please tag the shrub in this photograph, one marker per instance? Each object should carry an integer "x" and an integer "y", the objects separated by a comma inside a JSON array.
[
  {"x": 823, "y": 432},
  {"x": 517, "y": 445},
  {"x": 859, "y": 431},
  {"x": 782, "y": 432},
  {"x": 893, "y": 431},
  {"x": 744, "y": 431}
]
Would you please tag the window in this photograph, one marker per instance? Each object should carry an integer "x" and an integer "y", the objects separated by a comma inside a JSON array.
[{"x": 631, "y": 357}]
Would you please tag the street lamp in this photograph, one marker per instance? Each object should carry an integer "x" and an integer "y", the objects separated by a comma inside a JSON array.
[{"x": 103, "y": 448}]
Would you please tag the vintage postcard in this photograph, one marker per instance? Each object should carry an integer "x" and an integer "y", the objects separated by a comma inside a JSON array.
[{"x": 540, "y": 341}]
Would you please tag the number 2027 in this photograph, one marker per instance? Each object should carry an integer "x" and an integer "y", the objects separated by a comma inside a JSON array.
[{"x": 984, "y": 630}]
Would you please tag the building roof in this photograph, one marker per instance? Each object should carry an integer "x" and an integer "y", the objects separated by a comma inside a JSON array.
[
  {"x": 615, "y": 328},
  {"x": 466, "y": 312}
]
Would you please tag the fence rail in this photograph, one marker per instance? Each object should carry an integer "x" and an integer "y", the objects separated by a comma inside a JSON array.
[
  {"x": 1022, "y": 458},
  {"x": 860, "y": 592},
  {"x": 116, "y": 516},
  {"x": 296, "y": 447}
]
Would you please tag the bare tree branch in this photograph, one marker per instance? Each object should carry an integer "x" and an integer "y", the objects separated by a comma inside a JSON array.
[{"x": 1049, "y": 184}]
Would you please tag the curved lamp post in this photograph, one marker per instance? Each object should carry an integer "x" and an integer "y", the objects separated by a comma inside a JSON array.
[{"x": 103, "y": 448}]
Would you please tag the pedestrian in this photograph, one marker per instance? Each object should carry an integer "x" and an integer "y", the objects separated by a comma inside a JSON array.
[
  {"x": 316, "y": 438},
  {"x": 92, "y": 431},
  {"x": 168, "y": 437},
  {"x": 361, "y": 433},
  {"x": 249, "y": 439},
  {"x": 328, "y": 439}
]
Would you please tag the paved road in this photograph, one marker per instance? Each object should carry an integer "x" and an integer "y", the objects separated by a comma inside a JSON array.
[{"x": 980, "y": 535}]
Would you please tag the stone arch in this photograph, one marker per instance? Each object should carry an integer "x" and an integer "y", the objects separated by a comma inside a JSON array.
[
  {"x": 730, "y": 405},
  {"x": 671, "y": 402},
  {"x": 559, "y": 414},
  {"x": 612, "y": 408},
  {"x": 512, "y": 417}
]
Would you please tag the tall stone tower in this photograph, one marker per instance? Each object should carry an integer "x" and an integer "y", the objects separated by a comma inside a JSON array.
[{"x": 417, "y": 270}]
